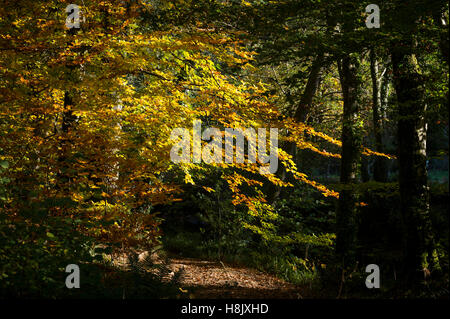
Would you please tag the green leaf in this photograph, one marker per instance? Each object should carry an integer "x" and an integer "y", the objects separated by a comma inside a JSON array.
[
  {"x": 50, "y": 235},
  {"x": 4, "y": 164}
]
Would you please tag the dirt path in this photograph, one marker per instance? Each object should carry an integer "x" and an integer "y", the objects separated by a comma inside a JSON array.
[{"x": 214, "y": 280}]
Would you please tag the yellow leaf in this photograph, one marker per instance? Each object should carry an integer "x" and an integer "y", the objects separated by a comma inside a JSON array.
[{"x": 208, "y": 189}]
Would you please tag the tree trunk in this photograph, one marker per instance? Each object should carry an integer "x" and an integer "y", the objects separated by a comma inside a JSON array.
[
  {"x": 304, "y": 107},
  {"x": 379, "y": 170},
  {"x": 412, "y": 129},
  {"x": 312, "y": 85},
  {"x": 440, "y": 17},
  {"x": 68, "y": 119},
  {"x": 351, "y": 147},
  {"x": 302, "y": 110},
  {"x": 365, "y": 175}
]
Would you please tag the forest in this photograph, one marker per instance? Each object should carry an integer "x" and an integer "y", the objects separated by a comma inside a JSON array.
[{"x": 207, "y": 149}]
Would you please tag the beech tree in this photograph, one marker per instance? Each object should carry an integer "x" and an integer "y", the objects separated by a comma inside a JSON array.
[{"x": 420, "y": 253}]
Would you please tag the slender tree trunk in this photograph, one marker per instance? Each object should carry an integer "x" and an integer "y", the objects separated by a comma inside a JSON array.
[
  {"x": 440, "y": 17},
  {"x": 365, "y": 174},
  {"x": 303, "y": 108},
  {"x": 385, "y": 92},
  {"x": 379, "y": 170},
  {"x": 351, "y": 146},
  {"x": 67, "y": 122}
]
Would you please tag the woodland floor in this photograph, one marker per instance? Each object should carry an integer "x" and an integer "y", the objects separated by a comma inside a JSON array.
[{"x": 215, "y": 280}]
